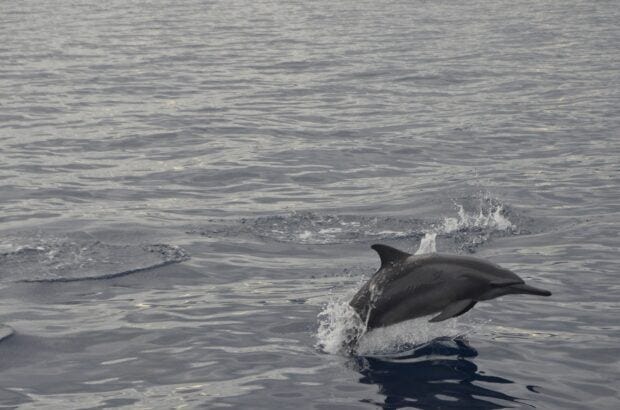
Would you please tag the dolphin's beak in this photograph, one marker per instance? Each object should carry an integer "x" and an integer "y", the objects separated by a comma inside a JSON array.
[{"x": 529, "y": 290}]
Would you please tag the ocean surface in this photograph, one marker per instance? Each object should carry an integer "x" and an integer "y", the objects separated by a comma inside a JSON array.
[{"x": 189, "y": 191}]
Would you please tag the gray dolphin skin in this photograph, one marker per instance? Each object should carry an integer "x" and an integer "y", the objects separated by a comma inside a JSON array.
[{"x": 406, "y": 287}]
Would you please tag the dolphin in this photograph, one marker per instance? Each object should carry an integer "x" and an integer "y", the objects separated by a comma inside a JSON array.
[{"x": 406, "y": 287}]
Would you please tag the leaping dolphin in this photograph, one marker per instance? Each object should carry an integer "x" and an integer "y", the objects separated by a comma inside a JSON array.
[{"x": 406, "y": 287}]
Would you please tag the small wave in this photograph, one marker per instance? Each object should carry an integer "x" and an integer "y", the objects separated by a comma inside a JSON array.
[
  {"x": 64, "y": 260},
  {"x": 6, "y": 332}
]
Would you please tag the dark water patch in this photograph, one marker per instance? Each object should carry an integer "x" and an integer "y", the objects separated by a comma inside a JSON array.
[
  {"x": 439, "y": 374},
  {"x": 113, "y": 403},
  {"x": 12, "y": 398}
]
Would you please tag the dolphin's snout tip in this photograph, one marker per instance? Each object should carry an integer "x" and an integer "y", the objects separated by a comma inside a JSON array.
[
  {"x": 541, "y": 292},
  {"x": 531, "y": 290}
]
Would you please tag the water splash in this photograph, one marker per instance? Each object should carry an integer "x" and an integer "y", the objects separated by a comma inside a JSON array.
[
  {"x": 491, "y": 218},
  {"x": 428, "y": 244},
  {"x": 339, "y": 326},
  {"x": 469, "y": 229}
]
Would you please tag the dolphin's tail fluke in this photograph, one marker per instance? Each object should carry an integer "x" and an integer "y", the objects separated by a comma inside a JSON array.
[{"x": 529, "y": 290}]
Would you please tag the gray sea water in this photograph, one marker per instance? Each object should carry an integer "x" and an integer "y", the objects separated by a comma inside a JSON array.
[{"x": 189, "y": 190}]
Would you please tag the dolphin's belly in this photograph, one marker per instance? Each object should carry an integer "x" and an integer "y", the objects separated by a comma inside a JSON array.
[
  {"x": 407, "y": 299},
  {"x": 400, "y": 313},
  {"x": 406, "y": 305}
]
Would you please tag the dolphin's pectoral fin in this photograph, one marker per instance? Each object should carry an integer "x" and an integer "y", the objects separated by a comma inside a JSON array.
[{"x": 454, "y": 309}]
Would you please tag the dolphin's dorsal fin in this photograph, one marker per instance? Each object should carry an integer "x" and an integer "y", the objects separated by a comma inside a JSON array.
[{"x": 389, "y": 256}]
